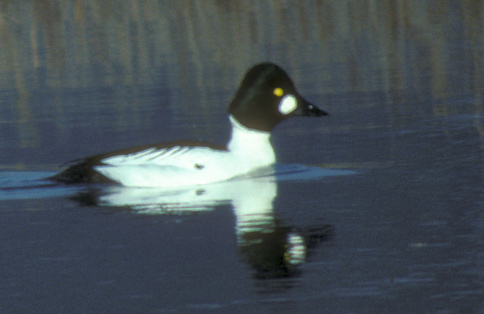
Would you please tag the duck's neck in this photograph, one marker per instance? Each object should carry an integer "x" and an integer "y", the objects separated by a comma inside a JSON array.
[{"x": 253, "y": 143}]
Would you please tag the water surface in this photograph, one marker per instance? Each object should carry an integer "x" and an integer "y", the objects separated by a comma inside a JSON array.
[{"x": 375, "y": 208}]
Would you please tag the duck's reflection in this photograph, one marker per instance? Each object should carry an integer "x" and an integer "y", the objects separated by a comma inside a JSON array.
[
  {"x": 271, "y": 248},
  {"x": 278, "y": 252}
]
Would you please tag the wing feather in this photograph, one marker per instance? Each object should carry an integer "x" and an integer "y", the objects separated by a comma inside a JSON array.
[
  {"x": 83, "y": 170},
  {"x": 149, "y": 156}
]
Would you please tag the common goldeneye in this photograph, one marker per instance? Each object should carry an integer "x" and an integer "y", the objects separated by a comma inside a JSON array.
[{"x": 265, "y": 97}]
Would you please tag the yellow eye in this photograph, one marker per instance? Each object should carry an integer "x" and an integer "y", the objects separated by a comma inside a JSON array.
[{"x": 278, "y": 91}]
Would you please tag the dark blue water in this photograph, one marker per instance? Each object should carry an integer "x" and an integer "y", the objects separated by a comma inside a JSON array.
[{"x": 376, "y": 208}]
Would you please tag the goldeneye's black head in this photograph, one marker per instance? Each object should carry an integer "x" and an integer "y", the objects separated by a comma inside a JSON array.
[{"x": 266, "y": 97}]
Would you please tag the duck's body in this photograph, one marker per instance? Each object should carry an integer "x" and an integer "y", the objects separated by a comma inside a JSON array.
[{"x": 266, "y": 97}]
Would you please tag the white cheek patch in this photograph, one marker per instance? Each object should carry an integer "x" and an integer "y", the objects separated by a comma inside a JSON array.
[{"x": 288, "y": 104}]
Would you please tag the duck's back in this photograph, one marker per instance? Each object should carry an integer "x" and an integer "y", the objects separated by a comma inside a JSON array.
[{"x": 84, "y": 170}]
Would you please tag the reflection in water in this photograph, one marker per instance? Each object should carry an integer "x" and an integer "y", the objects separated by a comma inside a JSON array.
[
  {"x": 277, "y": 251},
  {"x": 270, "y": 247}
]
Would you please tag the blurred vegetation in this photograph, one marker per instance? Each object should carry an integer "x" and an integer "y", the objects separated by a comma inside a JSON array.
[{"x": 116, "y": 48}]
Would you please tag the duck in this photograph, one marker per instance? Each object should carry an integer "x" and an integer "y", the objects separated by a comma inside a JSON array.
[{"x": 266, "y": 96}]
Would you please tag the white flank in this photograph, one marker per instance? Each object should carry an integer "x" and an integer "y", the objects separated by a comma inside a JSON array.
[{"x": 177, "y": 166}]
